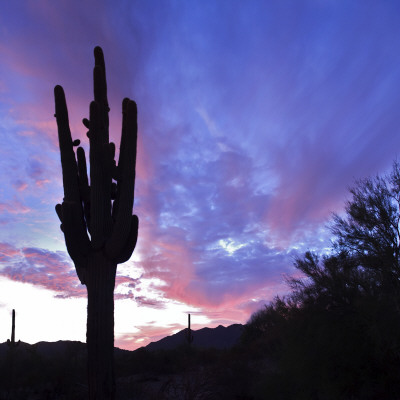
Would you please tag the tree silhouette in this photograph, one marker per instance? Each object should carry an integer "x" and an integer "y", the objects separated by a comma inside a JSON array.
[
  {"x": 336, "y": 334},
  {"x": 366, "y": 248},
  {"x": 370, "y": 231},
  {"x": 96, "y": 217}
]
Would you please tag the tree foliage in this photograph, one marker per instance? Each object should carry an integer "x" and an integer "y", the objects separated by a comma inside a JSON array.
[{"x": 339, "y": 327}]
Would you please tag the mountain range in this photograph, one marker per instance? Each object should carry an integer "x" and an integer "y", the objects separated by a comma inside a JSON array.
[{"x": 218, "y": 338}]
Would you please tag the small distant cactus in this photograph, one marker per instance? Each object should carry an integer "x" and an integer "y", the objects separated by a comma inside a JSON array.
[
  {"x": 189, "y": 335},
  {"x": 12, "y": 343},
  {"x": 11, "y": 358}
]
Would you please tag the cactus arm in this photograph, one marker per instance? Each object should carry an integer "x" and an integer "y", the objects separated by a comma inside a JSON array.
[
  {"x": 116, "y": 173},
  {"x": 122, "y": 207},
  {"x": 59, "y": 214},
  {"x": 100, "y": 89},
  {"x": 100, "y": 178},
  {"x": 76, "y": 237},
  {"x": 84, "y": 184},
  {"x": 68, "y": 162},
  {"x": 113, "y": 169},
  {"x": 76, "y": 240},
  {"x": 97, "y": 189},
  {"x": 130, "y": 244},
  {"x": 100, "y": 166},
  {"x": 70, "y": 211},
  {"x": 124, "y": 138}
]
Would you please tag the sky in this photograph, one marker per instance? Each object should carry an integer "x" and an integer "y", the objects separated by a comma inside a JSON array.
[{"x": 255, "y": 118}]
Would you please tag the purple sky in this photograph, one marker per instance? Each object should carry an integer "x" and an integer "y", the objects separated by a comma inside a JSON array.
[{"x": 254, "y": 119}]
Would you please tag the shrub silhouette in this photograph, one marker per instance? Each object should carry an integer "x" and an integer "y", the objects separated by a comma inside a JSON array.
[{"x": 103, "y": 209}]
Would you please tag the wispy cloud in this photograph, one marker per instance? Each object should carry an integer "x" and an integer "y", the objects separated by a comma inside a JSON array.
[
  {"x": 15, "y": 207},
  {"x": 52, "y": 270}
]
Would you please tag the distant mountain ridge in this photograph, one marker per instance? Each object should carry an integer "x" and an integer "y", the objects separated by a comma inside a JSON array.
[{"x": 220, "y": 337}]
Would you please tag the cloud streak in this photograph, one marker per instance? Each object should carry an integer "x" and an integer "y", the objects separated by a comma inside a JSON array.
[{"x": 51, "y": 270}]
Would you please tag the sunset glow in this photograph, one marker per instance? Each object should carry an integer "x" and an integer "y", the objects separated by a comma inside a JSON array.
[{"x": 254, "y": 119}]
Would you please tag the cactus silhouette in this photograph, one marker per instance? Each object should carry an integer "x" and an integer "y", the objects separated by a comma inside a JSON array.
[
  {"x": 10, "y": 356},
  {"x": 12, "y": 342},
  {"x": 189, "y": 336},
  {"x": 96, "y": 217}
]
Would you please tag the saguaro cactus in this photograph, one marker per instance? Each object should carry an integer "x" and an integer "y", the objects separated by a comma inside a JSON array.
[
  {"x": 96, "y": 217},
  {"x": 12, "y": 342},
  {"x": 10, "y": 356},
  {"x": 189, "y": 336}
]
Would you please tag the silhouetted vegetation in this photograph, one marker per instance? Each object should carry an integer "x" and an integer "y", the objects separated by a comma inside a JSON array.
[
  {"x": 336, "y": 336},
  {"x": 182, "y": 373}
]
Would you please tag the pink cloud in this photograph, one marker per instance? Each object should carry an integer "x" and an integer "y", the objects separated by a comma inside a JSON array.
[
  {"x": 125, "y": 280},
  {"x": 147, "y": 334},
  {"x": 51, "y": 270},
  {"x": 8, "y": 252},
  {"x": 44, "y": 268},
  {"x": 41, "y": 182},
  {"x": 15, "y": 207},
  {"x": 20, "y": 186},
  {"x": 150, "y": 302},
  {"x": 54, "y": 271},
  {"x": 170, "y": 261}
]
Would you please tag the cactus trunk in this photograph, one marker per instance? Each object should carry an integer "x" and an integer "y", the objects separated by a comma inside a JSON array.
[
  {"x": 12, "y": 342},
  {"x": 13, "y": 327},
  {"x": 189, "y": 336},
  {"x": 100, "y": 280}
]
